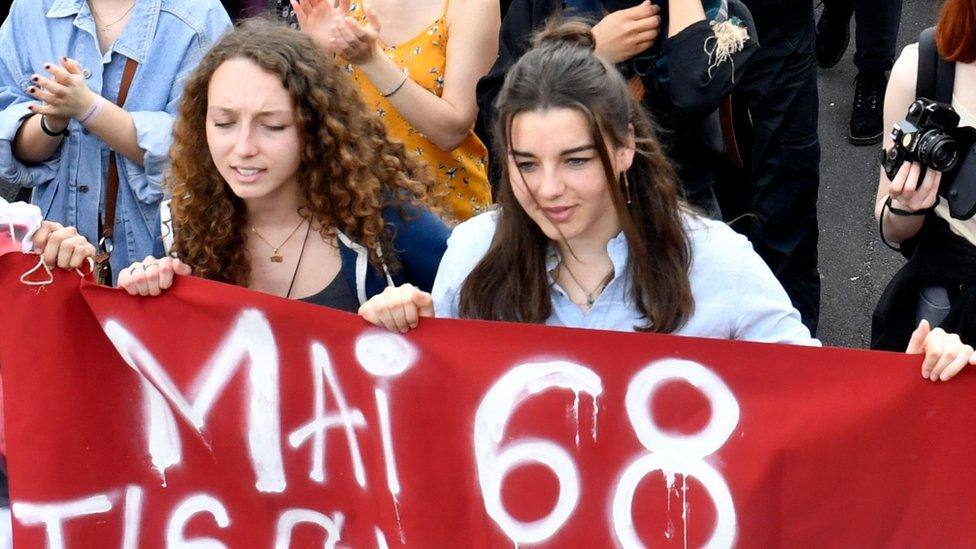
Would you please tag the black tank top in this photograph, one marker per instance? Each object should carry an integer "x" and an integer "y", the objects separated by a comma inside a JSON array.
[{"x": 337, "y": 295}]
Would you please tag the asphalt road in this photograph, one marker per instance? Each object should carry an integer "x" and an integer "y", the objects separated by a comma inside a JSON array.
[{"x": 854, "y": 264}]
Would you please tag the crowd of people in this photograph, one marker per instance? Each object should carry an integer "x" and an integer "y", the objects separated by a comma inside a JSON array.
[
  {"x": 365, "y": 132},
  {"x": 365, "y": 120},
  {"x": 537, "y": 161}
]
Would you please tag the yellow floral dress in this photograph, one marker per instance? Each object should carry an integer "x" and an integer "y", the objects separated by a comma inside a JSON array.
[{"x": 461, "y": 175}]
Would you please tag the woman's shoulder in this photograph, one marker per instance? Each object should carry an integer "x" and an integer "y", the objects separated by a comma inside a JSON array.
[
  {"x": 203, "y": 16},
  {"x": 905, "y": 69},
  {"x": 468, "y": 244},
  {"x": 471, "y": 12},
  {"x": 717, "y": 250},
  {"x": 470, "y": 240},
  {"x": 713, "y": 239},
  {"x": 28, "y": 17},
  {"x": 735, "y": 291},
  {"x": 474, "y": 236},
  {"x": 477, "y": 231}
]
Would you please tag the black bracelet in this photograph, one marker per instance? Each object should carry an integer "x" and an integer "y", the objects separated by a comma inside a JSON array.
[
  {"x": 52, "y": 133},
  {"x": 904, "y": 213},
  {"x": 881, "y": 227}
]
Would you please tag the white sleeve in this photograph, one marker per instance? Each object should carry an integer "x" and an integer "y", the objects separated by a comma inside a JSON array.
[
  {"x": 466, "y": 246},
  {"x": 765, "y": 312}
]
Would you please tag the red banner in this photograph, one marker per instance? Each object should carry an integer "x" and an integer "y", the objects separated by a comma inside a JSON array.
[{"x": 223, "y": 417}]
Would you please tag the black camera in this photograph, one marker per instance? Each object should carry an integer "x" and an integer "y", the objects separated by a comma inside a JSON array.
[{"x": 930, "y": 135}]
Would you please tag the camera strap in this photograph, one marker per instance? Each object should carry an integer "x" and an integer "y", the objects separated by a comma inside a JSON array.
[{"x": 936, "y": 76}]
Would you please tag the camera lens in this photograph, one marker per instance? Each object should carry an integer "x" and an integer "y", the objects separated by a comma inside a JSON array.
[{"x": 938, "y": 151}]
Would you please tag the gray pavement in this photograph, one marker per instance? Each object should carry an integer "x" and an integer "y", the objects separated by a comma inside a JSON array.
[
  {"x": 7, "y": 191},
  {"x": 854, "y": 264}
]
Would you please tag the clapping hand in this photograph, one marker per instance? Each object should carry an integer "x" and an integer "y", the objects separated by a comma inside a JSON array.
[
  {"x": 356, "y": 42},
  {"x": 330, "y": 25},
  {"x": 64, "y": 94}
]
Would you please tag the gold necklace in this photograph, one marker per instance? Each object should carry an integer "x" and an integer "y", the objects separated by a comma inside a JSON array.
[
  {"x": 590, "y": 295},
  {"x": 105, "y": 26},
  {"x": 276, "y": 256}
]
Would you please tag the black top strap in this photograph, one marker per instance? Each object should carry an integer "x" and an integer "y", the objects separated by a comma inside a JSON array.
[{"x": 935, "y": 75}]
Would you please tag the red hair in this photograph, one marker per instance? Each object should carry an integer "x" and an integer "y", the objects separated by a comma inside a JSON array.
[{"x": 956, "y": 31}]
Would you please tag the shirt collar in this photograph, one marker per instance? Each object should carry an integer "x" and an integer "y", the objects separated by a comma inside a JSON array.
[
  {"x": 139, "y": 29},
  {"x": 616, "y": 248},
  {"x": 64, "y": 8}
]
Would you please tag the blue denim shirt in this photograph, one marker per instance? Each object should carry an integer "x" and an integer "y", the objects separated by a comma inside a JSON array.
[
  {"x": 167, "y": 38},
  {"x": 735, "y": 294}
]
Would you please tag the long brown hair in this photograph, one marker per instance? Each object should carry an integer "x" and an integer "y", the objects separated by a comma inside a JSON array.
[
  {"x": 348, "y": 171},
  {"x": 510, "y": 283},
  {"x": 956, "y": 32}
]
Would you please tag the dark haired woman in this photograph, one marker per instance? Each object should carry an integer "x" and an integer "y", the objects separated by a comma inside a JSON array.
[
  {"x": 591, "y": 232},
  {"x": 298, "y": 192},
  {"x": 682, "y": 58}
]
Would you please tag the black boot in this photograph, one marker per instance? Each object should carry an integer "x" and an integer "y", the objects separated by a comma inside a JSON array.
[
  {"x": 867, "y": 117},
  {"x": 833, "y": 31}
]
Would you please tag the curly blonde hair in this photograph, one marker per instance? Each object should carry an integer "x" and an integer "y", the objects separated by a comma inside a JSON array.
[{"x": 349, "y": 170}]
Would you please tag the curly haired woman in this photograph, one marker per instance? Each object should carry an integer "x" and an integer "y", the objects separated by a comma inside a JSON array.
[{"x": 298, "y": 192}]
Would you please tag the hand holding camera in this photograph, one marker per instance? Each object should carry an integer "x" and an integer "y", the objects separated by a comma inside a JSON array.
[
  {"x": 913, "y": 188},
  {"x": 927, "y": 144}
]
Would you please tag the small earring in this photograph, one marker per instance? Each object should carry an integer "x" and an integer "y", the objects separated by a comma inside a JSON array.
[{"x": 626, "y": 187}]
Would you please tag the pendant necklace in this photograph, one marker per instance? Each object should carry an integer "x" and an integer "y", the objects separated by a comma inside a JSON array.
[
  {"x": 590, "y": 295},
  {"x": 105, "y": 26},
  {"x": 276, "y": 256}
]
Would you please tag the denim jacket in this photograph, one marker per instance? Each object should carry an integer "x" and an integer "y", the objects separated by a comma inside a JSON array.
[{"x": 167, "y": 38}]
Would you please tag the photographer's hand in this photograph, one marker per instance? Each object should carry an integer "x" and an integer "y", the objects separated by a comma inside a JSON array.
[
  {"x": 907, "y": 193},
  {"x": 910, "y": 198}
]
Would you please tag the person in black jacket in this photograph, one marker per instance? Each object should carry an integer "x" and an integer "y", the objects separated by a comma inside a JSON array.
[
  {"x": 672, "y": 55},
  {"x": 781, "y": 149}
]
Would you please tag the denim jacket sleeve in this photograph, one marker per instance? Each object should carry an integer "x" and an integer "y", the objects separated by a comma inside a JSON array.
[
  {"x": 154, "y": 128},
  {"x": 14, "y": 80}
]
